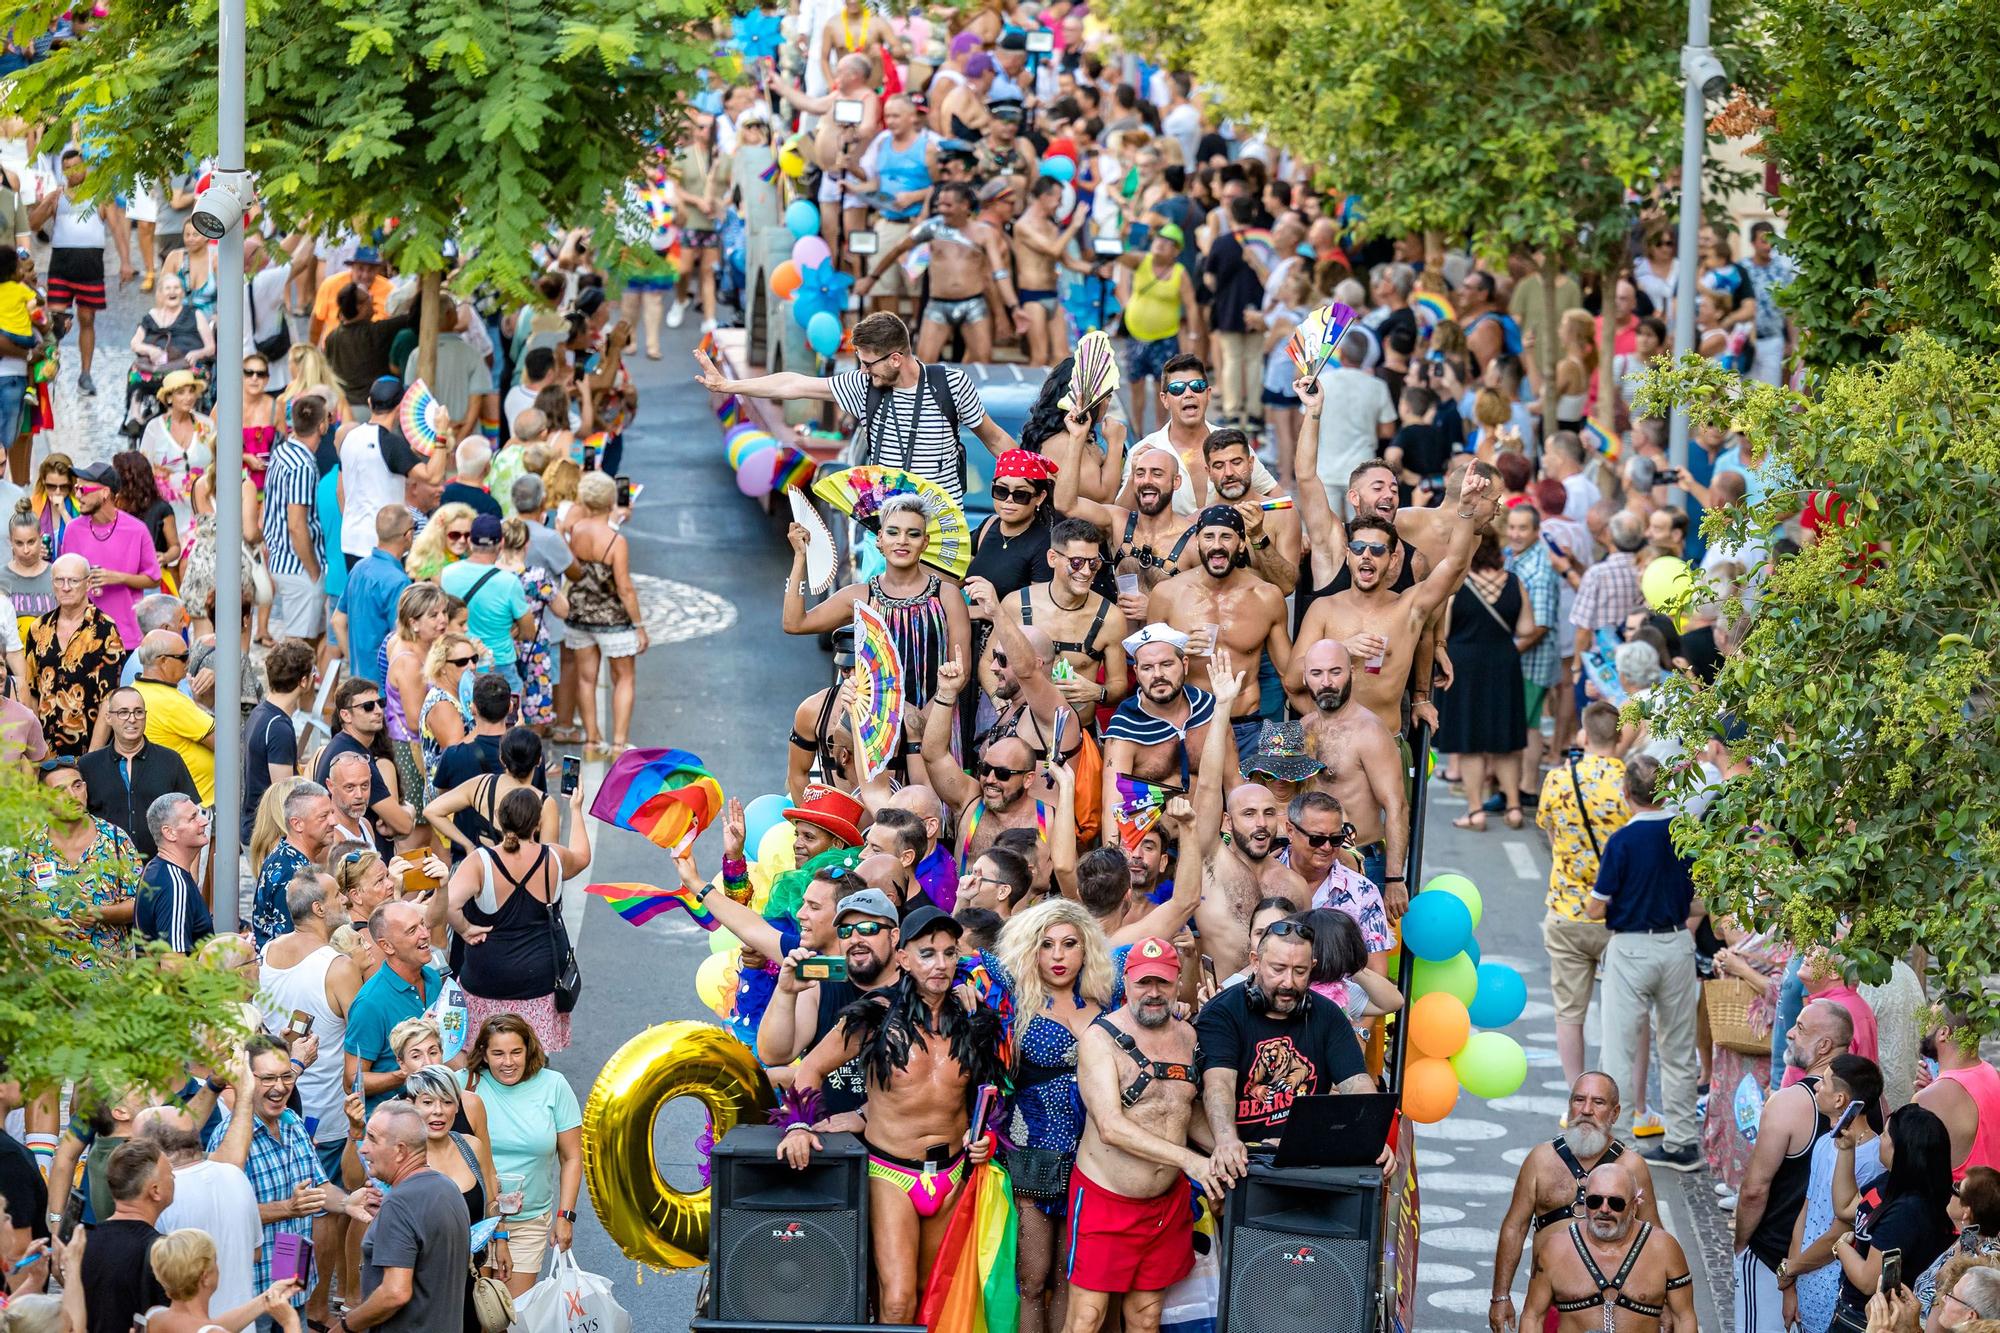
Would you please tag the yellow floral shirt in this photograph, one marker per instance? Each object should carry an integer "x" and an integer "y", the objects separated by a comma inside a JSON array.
[{"x": 1574, "y": 869}]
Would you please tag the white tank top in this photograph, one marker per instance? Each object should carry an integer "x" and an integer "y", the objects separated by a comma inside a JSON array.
[
  {"x": 367, "y": 485},
  {"x": 78, "y": 226},
  {"x": 303, "y": 986}
]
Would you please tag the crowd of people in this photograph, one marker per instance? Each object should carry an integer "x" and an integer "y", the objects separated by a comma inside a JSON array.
[{"x": 1141, "y": 851}]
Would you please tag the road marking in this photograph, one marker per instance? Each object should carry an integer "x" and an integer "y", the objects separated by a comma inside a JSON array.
[
  {"x": 676, "y": 612},
  {"x": 1522, "y": 859}
]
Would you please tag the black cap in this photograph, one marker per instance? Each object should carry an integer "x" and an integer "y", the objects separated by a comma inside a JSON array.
[
  {"x": 1014, "y": 39},
  {"x": 99, "y": 474},
  {"x": 385, "y": 393},
  {"x": 486, "y": 530},
  {"x": 1220, "y": 516},
  {"x": 927, "y": 919}
]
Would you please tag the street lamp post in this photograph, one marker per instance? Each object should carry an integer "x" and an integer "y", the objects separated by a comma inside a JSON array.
[{"x": 1705, "y": 78}]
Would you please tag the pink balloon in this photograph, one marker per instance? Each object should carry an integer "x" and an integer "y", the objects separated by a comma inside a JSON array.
[
  {"x": 810, "y": 251},
  {"x": 756, "y": 473}
]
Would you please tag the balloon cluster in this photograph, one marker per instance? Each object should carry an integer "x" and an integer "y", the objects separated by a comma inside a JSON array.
[
  {"x": 1453, "y": 993},
  {"x": 767, "y": 834},
  {"x": 811, "y": 282},
  {"x": 763, "y": 463}
]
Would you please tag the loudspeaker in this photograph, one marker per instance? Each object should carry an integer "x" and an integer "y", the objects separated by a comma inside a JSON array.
[
  {"x": 1301, "y": 1251},
  {"x": 788, "y": 1247}
]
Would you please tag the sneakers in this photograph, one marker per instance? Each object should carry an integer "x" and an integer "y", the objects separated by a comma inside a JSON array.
[
  {"x": 1661, "y": 1157},
  {"x": 1727, "y": 1202},
  {"x": 676, "y": 314},
  {"x": 707, "y": 327},
  {"x": 85, "y": 385},
  {"x": 1647, "y": 1127}
]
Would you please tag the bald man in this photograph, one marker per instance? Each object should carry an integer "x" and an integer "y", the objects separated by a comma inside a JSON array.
[
  {"x": 1240, "y": 869},
  {"x": 1575, "y": 1265},
  {"x": 937, "y": 870},
  {"x": 1363, "y": 768},
  {"x": 173, "y": 719}
]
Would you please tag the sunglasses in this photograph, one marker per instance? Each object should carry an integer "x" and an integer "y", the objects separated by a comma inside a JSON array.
[
  {"x": 257, "y": 372},
  {"x": 175, "y": 657},
  {"x": 1319, "y": 840},
  {"x": 55, "y": 486},
  {"x": 1175, "y": 388},
  {"x": 1008, "y": 495},
  {"x": 1299, "y": 929},
  {"x": 464, "y": 536},
  {"x": 54, "y": 762},
  {"x": 461, "y": 661},
  {"x": 1360, "y": 547},
  {"x": 1084, "y": 564},
  {"x": 999, "y": 658},
  {"x": 90, "y": 487},
  {"x": 1612, "y": 1201},
  {"x": 867, "y": 930},
  {"x": 1001, "y": 772},
  {"x": 367, "y": 706}
]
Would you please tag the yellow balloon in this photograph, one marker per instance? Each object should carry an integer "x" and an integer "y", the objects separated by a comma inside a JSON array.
[
  {"x": 653, "y": 1222},
  {"x": 791, "y": 163},
  {"x": 775, "y": 852},
  {"x": 715, "y": 982}
]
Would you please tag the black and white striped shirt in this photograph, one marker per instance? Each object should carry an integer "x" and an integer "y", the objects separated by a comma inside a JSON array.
[{"x": 912, "y": 430}]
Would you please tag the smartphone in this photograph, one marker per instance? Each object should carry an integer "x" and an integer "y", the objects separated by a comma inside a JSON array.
[
  {"x": 1208, "y": 971},
  {"x": 847, "y": 111},
  {"x": 291, "y": 1258},
  {"x": 301, "y": 1024},
  {"x": 624, "y": 492},
  {"x": 572, "y": 771},
  {"x": 1138, "y": 236},
  {"x": 1892, "y": 1270},
  {"x": 1041, "y": 43},
  {"x": 863, "y": 243},
  {"x": 1106, "y": 247},
  {"x": 72, "y": 1216},
  {"x": 822, "y": 967},
  {"x": 983, "y": 1106},
  {"x": 1847, "y": 1117}
]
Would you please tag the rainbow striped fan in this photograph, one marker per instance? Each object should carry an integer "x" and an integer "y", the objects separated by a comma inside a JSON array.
[
  {"x": 424, "y": 419},
  {"x": 1436, "y": 306},
  {"x": 877, "y": 711},
  {"x": 859, "y": 492},
  {"x": 1095, "y": 376}
]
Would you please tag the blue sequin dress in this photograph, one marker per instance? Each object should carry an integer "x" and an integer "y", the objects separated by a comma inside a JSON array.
[{"x": 1047, "y": 1106}]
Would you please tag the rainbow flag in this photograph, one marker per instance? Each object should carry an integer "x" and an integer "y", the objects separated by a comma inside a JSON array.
[
  {"x": 972, "y": 1287},
  {"x": 730, "y": 413},
  {"x": 1439, "y": 309},
  {"x": 640, "y": 903},
  {"x": 1602, "y": 438},
  {"x": 666, "y": 796},
  {"x": 877, "y": 711},
  {"x": 1140, "y": 805}
]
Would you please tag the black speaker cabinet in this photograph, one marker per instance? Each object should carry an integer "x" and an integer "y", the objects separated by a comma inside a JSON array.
[
  {"x": 788, "y": 1247},
  {"x": 1301, "y": 1251}
]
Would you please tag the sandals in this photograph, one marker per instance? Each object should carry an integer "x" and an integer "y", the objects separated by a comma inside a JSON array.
[
  {"x": 1475, "y": 821},
  {"x": 566, "y": 736}
]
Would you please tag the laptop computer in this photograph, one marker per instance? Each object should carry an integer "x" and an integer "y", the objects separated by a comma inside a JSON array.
[{"x": 1337, "y": 1129}]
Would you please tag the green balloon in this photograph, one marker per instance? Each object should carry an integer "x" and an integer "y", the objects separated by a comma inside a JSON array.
[
  {"x": 1461, "y": 888},
  {"x": 1491, "y": 1064},
  {"x": 1457, "y": 975}
]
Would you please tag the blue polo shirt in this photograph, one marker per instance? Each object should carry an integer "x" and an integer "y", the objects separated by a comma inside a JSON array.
[
  {"x": 383, "y": 1001},
  {"x": 374, "y": 586},
  {"x": 1643, "y": 882}
]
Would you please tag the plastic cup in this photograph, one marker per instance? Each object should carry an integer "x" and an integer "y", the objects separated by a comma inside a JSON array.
[
  {"x": 1214, "y": 637},
  {"x": 1128, "y": 585}
]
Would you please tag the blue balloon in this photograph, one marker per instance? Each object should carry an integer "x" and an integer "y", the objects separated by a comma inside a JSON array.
[
  {"x": 1501, "y": 997},
  {"x": 809, "y": 302},
  {"x": 760, "y": 817},
  {"x": 1058, "y": 168},
  {"x": 801, "y": 219},
  {"x": 1472, "y": 949},
  {"x": 823, "y": 332},
  {"x": 1437, "y": 926}
]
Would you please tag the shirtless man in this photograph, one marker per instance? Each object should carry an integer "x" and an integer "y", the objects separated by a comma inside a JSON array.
[
  {"x": 1224, "y": 591},
  {"x": 1363, "y": 769},
  {"x": 1273, "y": 535},
  {"x": 1381, "y": 627},
  {"x": 1000, "y": 798},
  {"x": 823, "y": 736},
  {"x": 1147, "y": 539},
  {"x": 1083, "y": 627},
  {"x": 1039, "y": 243},
  {"x": 1239, "y": 869},
  {"x": 1576, "y": 1266},
  {"x": 1550, "y": 1187},
  {"x": 965, "y": 253},
  {"x": 1130, "y": 1221},
  {"x": 838, "y": 141},
  {"x": 924, "y": 1057},
  {"x": 1159, "y": 733},
  {"x": 857, "y": 32}
]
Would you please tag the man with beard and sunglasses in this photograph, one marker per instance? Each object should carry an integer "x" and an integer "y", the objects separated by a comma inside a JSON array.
[
  {"x": 801, "y": 1012},
  {"x": 1551, "y": 1188},
  {"x": 1223, "y": 603},
  {"x": 1363, "y": 769},
  {"x": 1083, "y": 626},
  {"x": 1148, "y": 538},
  {"x": 1131, "y": 1227},
  {"x": 1597, "y": 1274},
  {"x": 1320, "y": 853}
]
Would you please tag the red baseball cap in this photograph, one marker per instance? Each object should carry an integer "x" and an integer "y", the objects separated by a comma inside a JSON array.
[{"x": 1153, "y": 957}]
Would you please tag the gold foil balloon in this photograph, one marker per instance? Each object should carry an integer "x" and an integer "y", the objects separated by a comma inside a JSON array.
[{"x": 653, "y": 1222}]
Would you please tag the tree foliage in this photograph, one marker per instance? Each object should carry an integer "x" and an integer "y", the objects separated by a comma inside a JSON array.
[
  {"x": 1509, "y": 122},
  {"x": 125, "y": 1021},
  {"x": 1866, "y": 683},
  {"x": 1887, "y": 121},
  {"x": 483, "y": 121}
]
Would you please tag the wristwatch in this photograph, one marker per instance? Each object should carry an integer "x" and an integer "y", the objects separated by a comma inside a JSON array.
[
  {"x": 1262, "y": 543},
  {"x": 566, "y": 1214}
]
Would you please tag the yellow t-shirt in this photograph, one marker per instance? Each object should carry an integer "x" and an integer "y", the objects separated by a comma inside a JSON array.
[
  {"x": 327, "y": 312},
  {"x": 17, "y": 304},
  {"x": 180, "y": 724},
  {"x": 1573, "y": 869}
]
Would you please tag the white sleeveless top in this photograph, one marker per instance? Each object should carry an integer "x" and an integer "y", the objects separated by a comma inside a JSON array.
[{"x": 303, "y": 986}]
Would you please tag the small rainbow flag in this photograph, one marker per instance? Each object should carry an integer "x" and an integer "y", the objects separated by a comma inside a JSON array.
[
  {"x": 640, "y": 903},
  {"x": 1439, "y": 308},
  {"x": 793, "y": 471},
  {"x": 730, "y": 412},
  {"x": 1602, "y": 438},
  {"x": 1140, "y": 805}
]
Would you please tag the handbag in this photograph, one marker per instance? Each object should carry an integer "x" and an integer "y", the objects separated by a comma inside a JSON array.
[
  {"x": 1039, "y": 1173},
  {"x": 492, "y": 1303},
  {"x": 569, "y": 976}
]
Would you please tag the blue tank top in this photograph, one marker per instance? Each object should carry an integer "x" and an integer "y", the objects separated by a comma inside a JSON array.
[{"x": 903, "y": 170}]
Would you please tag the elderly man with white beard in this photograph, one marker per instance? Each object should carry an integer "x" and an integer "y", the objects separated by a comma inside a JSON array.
[
  {"x": 1551, "y": 1187},
  {"x": 1610, "y": 1270}
]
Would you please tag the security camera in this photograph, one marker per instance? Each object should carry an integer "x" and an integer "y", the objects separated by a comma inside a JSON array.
[
  {"x": 1701, "y": 66},
  {"x": 220, "y": 207}
]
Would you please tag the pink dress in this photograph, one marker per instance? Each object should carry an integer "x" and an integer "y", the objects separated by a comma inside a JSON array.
[{"x": 257, "y": 442}]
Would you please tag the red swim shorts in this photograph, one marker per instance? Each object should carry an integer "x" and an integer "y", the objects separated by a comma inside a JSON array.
[{"x": 1121, "y": 1244}]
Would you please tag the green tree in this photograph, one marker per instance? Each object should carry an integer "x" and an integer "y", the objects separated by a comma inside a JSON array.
[
  {"x": 481, "y": 122},
  {"x": 1865, "y": 683},
  {"x": 1886, "y": 123},
  {"x": 124, "y": 1021}
]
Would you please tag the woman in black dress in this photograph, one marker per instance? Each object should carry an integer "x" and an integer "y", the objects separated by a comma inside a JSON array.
[{"x": 1483, "y": 717}]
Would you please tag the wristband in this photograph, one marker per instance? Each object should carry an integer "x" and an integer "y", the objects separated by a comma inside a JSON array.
[
  {"x": 735, "y": 867},
  {"x": 1393, "y": 879},
  {"x": 498, "y": 1235},
  {"x": 566, "y": 1214}
]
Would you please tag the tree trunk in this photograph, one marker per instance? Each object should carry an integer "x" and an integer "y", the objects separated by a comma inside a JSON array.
[
  {"x": 432, "y": 285},
  {"x": 1434, "y": 252},
  {"x": 1549, "y": 352},
  {"x": 1607, "y": 341}
]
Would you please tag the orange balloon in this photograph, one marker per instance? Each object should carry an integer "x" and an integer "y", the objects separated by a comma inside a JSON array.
[
  {"x": 1430, "y": 1090},
  {"x": 1439, "y": 1024},
  {"x": 785, "y": 280}
]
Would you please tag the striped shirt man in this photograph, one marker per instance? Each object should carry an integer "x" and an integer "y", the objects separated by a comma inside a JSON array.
[
  {"x": 170, "y": 907},
  {"x": 291, "y": 478}
]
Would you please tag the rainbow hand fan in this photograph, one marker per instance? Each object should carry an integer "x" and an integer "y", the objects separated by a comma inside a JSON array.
[
  {"x": 640, "y": 903},
  {"x": 877, "y": 710},
  {"x": 424, "y": 419},
  {"x": 665, "y": 796},
  {"x": 859, "y": 492},
  {"x": 1095, "y": 376}
]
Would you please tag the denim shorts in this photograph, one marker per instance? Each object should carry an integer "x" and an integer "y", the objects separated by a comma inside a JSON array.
[{"x": 1147, "y": 360}]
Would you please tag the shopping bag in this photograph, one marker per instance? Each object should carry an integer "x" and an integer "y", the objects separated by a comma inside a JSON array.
[
  {"x": 1190, "y": 1305},
  {"x": 570, "y": 1300}
]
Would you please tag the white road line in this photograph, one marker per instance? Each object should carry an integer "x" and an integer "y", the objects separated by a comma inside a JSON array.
[{"x": 1522, "y": 860}]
